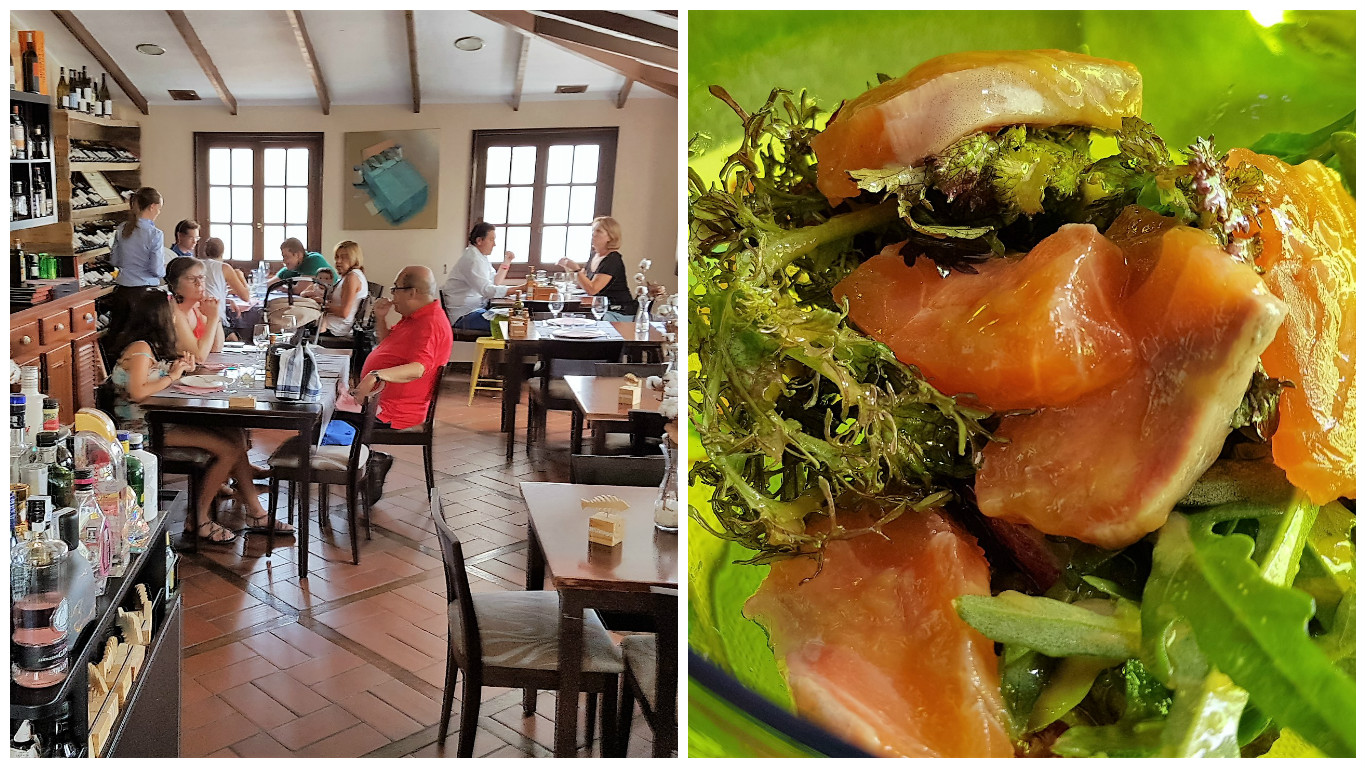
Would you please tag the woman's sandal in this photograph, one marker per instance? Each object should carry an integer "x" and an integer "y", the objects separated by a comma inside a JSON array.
[
  {"x": 258, "y": 525},
  {"x": 211, "y": 532}
]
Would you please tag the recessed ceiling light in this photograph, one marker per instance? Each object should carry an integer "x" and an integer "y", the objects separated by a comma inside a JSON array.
[
  {"x": 469, "y": 43},
  {"x": 151, "y": 49}
]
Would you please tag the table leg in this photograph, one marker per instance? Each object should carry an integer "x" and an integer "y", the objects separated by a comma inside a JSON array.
[
  {"x": 576, "y": 432},
  {"x": 305, "y": 484},
  {"x": 512, "y": 393},
  {"x": 535, "y": 564},
  {"x": 571, "y": 672}
]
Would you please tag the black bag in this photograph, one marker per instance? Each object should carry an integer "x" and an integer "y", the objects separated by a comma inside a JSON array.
[
  {"x": 364, "y": 340},
  {"x": 376, "y": 469}
]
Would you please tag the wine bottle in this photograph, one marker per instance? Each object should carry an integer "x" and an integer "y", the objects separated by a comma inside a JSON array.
[
  {"x": 108, "y": 110},
  {"x": 87, "y": 93},
  {"x": 38, "y": 143},
  {"x": 39, "y": 197},
  {"x": 18, "y": 149},
  {"x": 63, "y": 91},
  {"x": 30, "y": 62}
]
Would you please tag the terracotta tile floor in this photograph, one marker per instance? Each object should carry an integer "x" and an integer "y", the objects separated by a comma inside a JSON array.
[{"x": 350, "y": 662}]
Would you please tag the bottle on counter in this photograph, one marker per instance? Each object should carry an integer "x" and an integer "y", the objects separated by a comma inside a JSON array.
[
  {"x": 24, "y": 744},
  {"x": 52, "y": 415},
  {"x": 61, "y": 482},
  {"x": 18, "y": 448},
  {"x": 33, "y": 404},
  {"x": 82, "y": 588},
  {"x": 146, "y": 483},
  {"x": 92, "y": 524},
  {"x": 39, "y": 639}
]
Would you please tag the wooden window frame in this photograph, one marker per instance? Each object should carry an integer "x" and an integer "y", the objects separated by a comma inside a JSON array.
[
  {"x": 542, "y": 138},
  {"x": 204, "y": 140}
]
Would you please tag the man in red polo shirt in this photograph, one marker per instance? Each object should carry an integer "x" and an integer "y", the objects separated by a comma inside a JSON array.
[{"x": 409, "y": 359}]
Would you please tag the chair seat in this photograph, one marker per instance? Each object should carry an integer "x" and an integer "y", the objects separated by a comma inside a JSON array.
[
  {"x": 521, "y": 630},
  {"x": 321, "y": 458},
  {"x": 559, "y": 392},
  {"x": 184, "y": 454},
  {"x": 379, "y": 431},
  {"x": 464, "y": 334},
  {"x": 640, "y": 653}
]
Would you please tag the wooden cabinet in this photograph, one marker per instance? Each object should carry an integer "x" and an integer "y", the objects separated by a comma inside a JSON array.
[
  {"x": 57, "y": 382},
  {"x": 60, "y": 338}
]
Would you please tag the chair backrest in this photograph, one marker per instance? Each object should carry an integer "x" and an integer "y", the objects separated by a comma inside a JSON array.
[
  {"x": 642, "y": 471},
  {"x": 647, "y": 427},
  {"x": 457, "y": 584},
  {"x": 621, "y": 369},
  {"x": 376, "y": 291},
  {"x": 556, "y": 350}
]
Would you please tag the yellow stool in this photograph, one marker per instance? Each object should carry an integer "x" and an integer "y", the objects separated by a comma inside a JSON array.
[{"x": 482, "y": 344}]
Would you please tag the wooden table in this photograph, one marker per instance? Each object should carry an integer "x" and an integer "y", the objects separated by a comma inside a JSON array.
[
  {"x": 514, "y": 376},
  {"x": 598, "y": 405},
  {"x": 589, "y": 575},
  {"x": 304, "y": 417}
]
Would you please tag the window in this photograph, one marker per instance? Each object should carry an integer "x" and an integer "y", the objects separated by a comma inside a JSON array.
[
  {"x": 255, "y": 190},
  {"x": 542, "y": 189}
]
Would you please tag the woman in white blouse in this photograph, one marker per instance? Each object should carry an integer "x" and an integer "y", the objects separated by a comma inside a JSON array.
[
  {"x": 473, "y": 281},
  {"x": 339, "y": 316}
]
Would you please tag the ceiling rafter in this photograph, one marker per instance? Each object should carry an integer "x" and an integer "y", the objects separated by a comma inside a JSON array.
[
  {"x": 662, "y": 79},
  {"x": 620, "y": 24},
  {"x": 412, "y": 61},
  {"x": 296, "y": 21},
  {"x": 624, "y": 92},
  {"x": 649, "y": 53},
  {"x": 201, "y": 55},
  {"x": 87, "y": 40},
  {"x": 522, "y": 57}
]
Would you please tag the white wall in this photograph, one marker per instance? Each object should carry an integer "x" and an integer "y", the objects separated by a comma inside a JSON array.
[{"x": 645, "y": 195}]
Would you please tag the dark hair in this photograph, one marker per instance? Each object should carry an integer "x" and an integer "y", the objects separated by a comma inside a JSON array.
[
  {"x": 149, "y": 319},
  {"x": 480, "y": 231},
  {"x": 140, "y": 201},
  {"x": 328, "y": 270},
  {"x": 177, "y": 269},
  {"x": 293, "y": 245},
  {"x": 185, "y": 225},
  {"x": 213, "y": 248}
]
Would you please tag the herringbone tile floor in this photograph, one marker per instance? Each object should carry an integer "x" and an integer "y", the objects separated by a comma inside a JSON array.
[{"x": 350, "y": 661}]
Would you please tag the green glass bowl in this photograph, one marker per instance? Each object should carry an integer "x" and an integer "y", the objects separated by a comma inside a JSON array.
[{"x": 1220, "y": 73}]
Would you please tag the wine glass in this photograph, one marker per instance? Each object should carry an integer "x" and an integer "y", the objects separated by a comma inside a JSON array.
[
  {"x": 260, "y": 335},
  {"x": 599, "y": 307},
  {"x": 556, "y": 304}
]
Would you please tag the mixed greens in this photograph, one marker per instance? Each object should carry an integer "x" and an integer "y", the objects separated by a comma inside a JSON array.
[{"x": 1230, "y": 631}]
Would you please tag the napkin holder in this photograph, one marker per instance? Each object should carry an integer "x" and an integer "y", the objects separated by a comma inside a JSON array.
[
  {"x": 542, "y": 292},
  {"x": 607, "y": 528},
  {"x": 628, "y": 394}
]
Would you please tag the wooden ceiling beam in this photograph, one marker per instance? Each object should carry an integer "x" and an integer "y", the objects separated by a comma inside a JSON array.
[
  {"x": 623, "y": 93},
  {"x": 522, "y": 58},
  {"x": 201, "y": 55},
  {"x": 555, "y": 29},
  {"x": 412, "y": 61},
  {"x": 296, "y": 21},
  {"x": 619, "y": 24},
  {"x": 87, "y": 41}
]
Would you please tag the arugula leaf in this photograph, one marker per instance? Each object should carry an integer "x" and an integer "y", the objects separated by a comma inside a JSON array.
[
  {"x": 1051, "y": 626},
  {"x": 1125, "y": 739},
  {"x": 1249, "y": 628},
  {"x": 1066, "y": 688},
  {"x": 1024, "y": 674},
  {"x": 1295, "y": 148}
]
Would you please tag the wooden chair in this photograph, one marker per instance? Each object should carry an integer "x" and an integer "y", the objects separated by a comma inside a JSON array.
[
  {"x": 651, "y": 677},
  {"x": 643, "y": 471},
  {"x": 329, "y": 465},
  {"x": 511, "y": 639},
  {"x": 420, "y": 434},
  {"x": 647, "y": 432},
  {"x": 548, "y": 392}
]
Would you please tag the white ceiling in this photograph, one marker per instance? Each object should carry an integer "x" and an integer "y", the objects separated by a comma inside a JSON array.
[{"x": 363, "y": 56}]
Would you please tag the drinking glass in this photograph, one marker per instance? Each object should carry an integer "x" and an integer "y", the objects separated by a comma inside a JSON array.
[
  {"x": 556, "y": 304},
  {"x": 260, "y": 335},
  {"x": 599, "y": 307}
]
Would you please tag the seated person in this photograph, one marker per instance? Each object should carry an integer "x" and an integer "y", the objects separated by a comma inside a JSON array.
[
  {"x": 198, "y": 330},
  {"x": 220, "y": 279},
  {"x": 147, "y": 362},
  {"x": 186, "y": 236},
  {"x": 411, "y": 355},
  {"x": 298, "y": 261},
  {"x": 472, "y": 281},
  {"x": 605, "y": 274},
  {"x": 339, "y": 316}
]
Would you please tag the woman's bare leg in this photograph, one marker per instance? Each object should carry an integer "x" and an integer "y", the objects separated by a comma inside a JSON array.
[{"x": 225, "y": 453}]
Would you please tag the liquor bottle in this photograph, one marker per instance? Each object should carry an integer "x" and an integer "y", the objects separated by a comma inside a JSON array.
[
  {"x": 52, "y": 415},
  {"x": 88, "y": 92},
  {"x": 105, "y": 99},
  {"x": 18, "y": 200},
  {"x": 92, "y": 523},
  {"x": 38, "y": 143},
  {"x": 146, "y": 485},
  {"x": 33, "y": 404},
  {"x": 63, "y": 91},
  {"x": 17, "y": 446},
  {"x": 61, "y": 482},
  {"x": 33, "y": 271},
  {"x": 18, "y": 141},
  {"x": 82, "y": 585},
  {"x": 40, "y": 201},
  {"x": 30, "y": 63}
]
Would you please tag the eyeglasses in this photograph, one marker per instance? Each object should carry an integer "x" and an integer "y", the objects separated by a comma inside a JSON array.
[{"x": 397, "y": 288}]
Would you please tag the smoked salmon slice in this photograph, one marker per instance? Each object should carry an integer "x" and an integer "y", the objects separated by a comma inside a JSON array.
[
  {"x": 873, "y": 648},
  {"x": 1021, "y": 333},
  {"x": 1307, "y": 230},
  {"x": 903, "y": 121},
  {"x": 1108, "y": 468}
]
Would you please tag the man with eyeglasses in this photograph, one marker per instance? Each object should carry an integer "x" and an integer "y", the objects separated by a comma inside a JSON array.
[{"x": 410, "y": 356}]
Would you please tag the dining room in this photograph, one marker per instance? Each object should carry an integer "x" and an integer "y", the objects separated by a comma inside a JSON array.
[{"x": 373, "y": 534}]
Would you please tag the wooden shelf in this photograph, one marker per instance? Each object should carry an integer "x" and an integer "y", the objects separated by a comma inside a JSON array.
[
  {"x": 15, "y": 226},
  {"x": 104, "y": 167},
  {"x": 87, "y": 256},
  {"x": 44, "y": 160},
  {"x": 87, "y": 214},
  {"x": 104, "y": 121}
]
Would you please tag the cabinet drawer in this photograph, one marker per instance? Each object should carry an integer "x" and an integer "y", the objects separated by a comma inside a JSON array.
[
  {"x": 56, "y": 328},
  {"x": 83, "y": 319},
  {"x": 23, "y": 341}
]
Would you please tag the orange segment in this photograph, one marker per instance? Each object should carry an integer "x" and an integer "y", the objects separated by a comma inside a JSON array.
[{"x": 1307, "y": 230}]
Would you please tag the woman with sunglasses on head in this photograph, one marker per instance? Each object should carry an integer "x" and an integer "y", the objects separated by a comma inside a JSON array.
[
  {"x": 339, "y": 315},
  {"x": 198, "y": 330},
  {"x": 148, "y": 362}
]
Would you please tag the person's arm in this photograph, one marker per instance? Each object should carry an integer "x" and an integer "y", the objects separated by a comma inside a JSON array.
[
  {"x": 155, "y": 253},
  {"x": 237, "y": 283},
  {"x": 501, "y": 278},
  {"x": 382, "y": 308},
  {"x": 399, "y": 374},
  {"x": 590, "y": 286},
  {"x": 342, "y": 297},
  {"x": 141, "y": 385},
  {"x": 215, "y": 333},
  {"x": 476, "y": 274}
]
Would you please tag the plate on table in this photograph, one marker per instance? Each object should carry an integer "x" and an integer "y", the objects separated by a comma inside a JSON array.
[
  {"x": 204, "y": 382},
  {"x": 579, "y": 333},
  {"x": 570, "y": 322}
]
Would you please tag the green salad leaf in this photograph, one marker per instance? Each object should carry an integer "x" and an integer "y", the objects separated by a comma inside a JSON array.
[{"x": 1053, "y": 627}]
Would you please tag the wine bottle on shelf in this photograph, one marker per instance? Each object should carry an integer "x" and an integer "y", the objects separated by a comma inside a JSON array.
[
  {"x": 18, "y": 201},
  {"x": 40, "y": 198},
  {"x": 90, "y": 96},
  {"x": 38, "y": 143},
  {"x": 105, "y": 98},
  {"x": 30, "y": 62},
  {"x": 85, "y": 91},
  {"x": 18, "y": 149},
  {"x": 63, "y": 90}
]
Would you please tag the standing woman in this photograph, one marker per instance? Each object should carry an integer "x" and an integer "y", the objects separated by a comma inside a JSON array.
[
  {"x": 137, "y": 254},
  {"x": 340, "y": 313},
  {"x": 197, "y": 328},
  {"x": 605, "y": 272}
]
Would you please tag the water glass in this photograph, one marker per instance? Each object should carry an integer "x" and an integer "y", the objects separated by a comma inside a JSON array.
[
  {"x": 599, "y": 307},
  {"x": 556, "y": 304},
  {"x": 260, "y": 335}
]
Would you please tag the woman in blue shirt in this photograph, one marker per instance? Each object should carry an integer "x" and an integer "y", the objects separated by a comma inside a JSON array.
[{"x": 137, "y": 253}]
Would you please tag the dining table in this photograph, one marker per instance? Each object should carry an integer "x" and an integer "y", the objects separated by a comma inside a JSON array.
[
  {"x": 587, "y": 575},
  {"x": 244, "y": 366},
  {"x": 639, "y": 345},
  {"x": 598, "y": 404}
]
